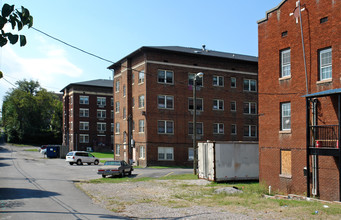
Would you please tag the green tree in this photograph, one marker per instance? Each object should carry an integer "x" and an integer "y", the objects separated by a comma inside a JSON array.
[{"x": 32, "y": 115}]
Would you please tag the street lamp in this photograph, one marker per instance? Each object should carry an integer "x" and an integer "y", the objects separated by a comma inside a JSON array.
[{"x": 196, "y": 76}]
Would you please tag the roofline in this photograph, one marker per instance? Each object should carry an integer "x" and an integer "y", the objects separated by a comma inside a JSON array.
[
  {"x": 270, "y": 11},
  {"x": 79, "y": 84}
]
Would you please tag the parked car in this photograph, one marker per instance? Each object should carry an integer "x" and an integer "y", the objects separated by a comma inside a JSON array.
[
  {"x": 80, "y": 157},
  {"x": 115, "y": 168}
]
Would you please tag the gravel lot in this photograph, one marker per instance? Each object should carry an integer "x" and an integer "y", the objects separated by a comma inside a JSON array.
[{"x": 160, "y": 199}]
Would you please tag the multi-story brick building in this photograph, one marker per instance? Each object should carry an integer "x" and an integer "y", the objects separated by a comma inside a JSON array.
[
  {"x": 299, "y": 99},
  {"x": 88, "y": 115},
  {"x": 153, "y": 88}
]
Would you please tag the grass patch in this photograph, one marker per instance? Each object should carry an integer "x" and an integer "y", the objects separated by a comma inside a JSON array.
[
  {"x": 34, "y": 150},
  {"x": 103, "y": 155},
  {"x": 179, "y": 177}
]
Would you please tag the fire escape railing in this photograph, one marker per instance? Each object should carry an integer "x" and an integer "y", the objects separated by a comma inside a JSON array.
[{"x": 324, "y": 136}]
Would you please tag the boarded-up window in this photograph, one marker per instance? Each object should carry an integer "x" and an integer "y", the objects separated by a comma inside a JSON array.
[{"x": 286, "y": 162}]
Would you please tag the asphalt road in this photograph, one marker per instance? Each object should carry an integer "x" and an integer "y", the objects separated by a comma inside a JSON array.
[{"x": 33, "y": 187}]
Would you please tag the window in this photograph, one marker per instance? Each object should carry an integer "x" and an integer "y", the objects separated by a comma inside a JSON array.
[
  {"x": 250, "y": 108},
  {"x": 84, "y": 100},
  {"x": 124, "y": 137},
  {"x": 133, "y": 102},
  {"x": 141, "y": 101},
  {"x": 285, "y": 116},
  {"x": 112, "y": 127},
  {"x": 165, "y": 76},
  {"x": 117, "y": 149},
  {"x": 141, "y": 126},
  {"x": 199, "y": 104},
  {"x": 285, "y": 63},
  {"x": 112, "y": 139},
  {"x": 141, "y": 77},
  {"x": 165, "y": 153},
  {"x": 117, "y": 86},
  {"x": 286, "y": 163},
  {"x": 250, "y": 131},
  {"x": 83, "y": 138},
  {"x": 101, "y": 113},
  {"x": 323, "y": 20},
  {"x": 233, "y": 106},
  {"x": 111, "y": 101},
  {"x": 142, "y": 152},
  {"x": 117, "y": 128},
  {"x": 200, "y": 128},
  {"x": 83, "y": 125},
  {"x": 124, "y": 90},
  {"x": 218, "y": 128},
  {"x": 233, "y": 82},
  {"x": 101, "y": 101},
  {"x": 191, "y": 79},
  {"x": 112, "y": 114},
  {"x": 325, "y": 63},
  {"x": 124, "y": 113},
  {"x": 250, "y": 85},
  {"x": 233, "y": 129},
  {"x": 117, "y": 107},
  {"x": 190, "y": 154},
  {"x": 284, "y": 33},
  {"x": 83, "y": 112},
  {"x": 218, "y": 81},
  {"x": 165, "y": 102},
  {"x": 218, "y": 104},
  {"x": 132, "y": 78},
  {"x": 165, "y": 127},
  {"x": 101, "y": 127}
]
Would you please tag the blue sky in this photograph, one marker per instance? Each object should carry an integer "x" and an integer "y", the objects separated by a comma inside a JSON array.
[{"x": 112, "y": 29}]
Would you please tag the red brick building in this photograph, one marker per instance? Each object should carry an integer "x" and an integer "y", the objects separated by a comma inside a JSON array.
[
  {"x": 299, "y": 107},
  {"x": 153, "y": 92},
  {"x": 88, "y": 115}
]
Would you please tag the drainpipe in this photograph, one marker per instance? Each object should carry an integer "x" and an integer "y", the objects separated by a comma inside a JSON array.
[{"x": 314, "y": 157}]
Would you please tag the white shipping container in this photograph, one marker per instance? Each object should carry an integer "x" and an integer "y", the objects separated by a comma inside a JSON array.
[{"x": 226, "y": 161}]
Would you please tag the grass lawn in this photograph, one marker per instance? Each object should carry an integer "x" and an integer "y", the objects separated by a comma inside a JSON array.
[{"x": 103, "y": 155}]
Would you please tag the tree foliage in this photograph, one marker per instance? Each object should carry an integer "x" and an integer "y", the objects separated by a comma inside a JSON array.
[
  {"x": 32, "y": 115},
  {"x": 17, "y": 19}
]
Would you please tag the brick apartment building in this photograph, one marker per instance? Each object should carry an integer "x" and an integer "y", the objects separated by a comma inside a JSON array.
[
  {"x": 153, "y": 92},
  {"x": 299, "y": 107},
  {"x": 88, "y": 115}
]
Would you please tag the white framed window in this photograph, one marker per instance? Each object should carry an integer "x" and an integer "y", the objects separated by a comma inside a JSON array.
[
  {"x": 250, "y": 85},
  {"x": 191, "y": 80},
  {"x": 141, "y": 76},
  {"x": 142, "y": 152},
  {"x": 233, "y": 129},
  {"x": 190, "y": 154},
  {"x": 325, "y": 63},
  {"x": 218, "y": 81},
  {"x": 101, "y": 126},
  {"x": 233, "y": 106},
  {"x": 83, "y": 138},
  {"x": 117, "y": 107},
  {"x": 199, "y": 104},
  {"x": 286, "y": 116},
  {"x": 141, "y": 126},
  {"x": 218, "y": 104},
  {"x": 124, "y": 113},
  {"x": 132, "y": 102},
  {"x": 200, "y": 128},
  {"x": 101, "y": 113},
  {"x": 165, "y": 153},
  {"x": 132, "y": 78},
  {"x": 165, "y": 102},
  {"x": 165, "y": 127},
  {"x": 233, "y": 82},
  {"x": 141, "y": 101},
  {"x": 218, "y": 128},
  {"x": 117, "y": 149},
  {"x": 124, "y": 137},
  {"x": 117, "y": 128},
  {"x": 285, "y": 63},
  {"x": 101, "y": 101},
  {"x": 84, "y": 125},
  {"x": 250, "y": 108},
  {"x": 124, "y": 90},
  {"x": 165, "y": 76},
  {"x": 84, "y": 100},
  {"x": 117, "y": 86},
  {"x": 250, "y": 130},
  {"x": 83, "y": 112}
]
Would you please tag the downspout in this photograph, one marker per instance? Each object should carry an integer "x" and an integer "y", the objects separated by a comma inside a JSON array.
[{"x": 314, "y": 157}]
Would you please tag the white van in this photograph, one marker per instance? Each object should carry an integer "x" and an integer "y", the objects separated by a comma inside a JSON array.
[{"x": 80, "y": 157}]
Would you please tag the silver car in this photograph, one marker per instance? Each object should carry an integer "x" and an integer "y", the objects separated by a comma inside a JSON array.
[
  {"x": 80, "y": 157},
  {"x": 115, "y": 168}
]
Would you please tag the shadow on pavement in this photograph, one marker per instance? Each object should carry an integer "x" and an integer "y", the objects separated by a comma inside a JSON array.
[{"x": 20, "y": 193}]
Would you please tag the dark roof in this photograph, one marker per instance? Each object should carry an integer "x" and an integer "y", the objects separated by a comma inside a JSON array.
[
  {"x": 323, "y": 93},
  {"x": 190, "y": 50},
  {"x": 270, "y": 11},
  {"x": 97, "y": 83}
]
